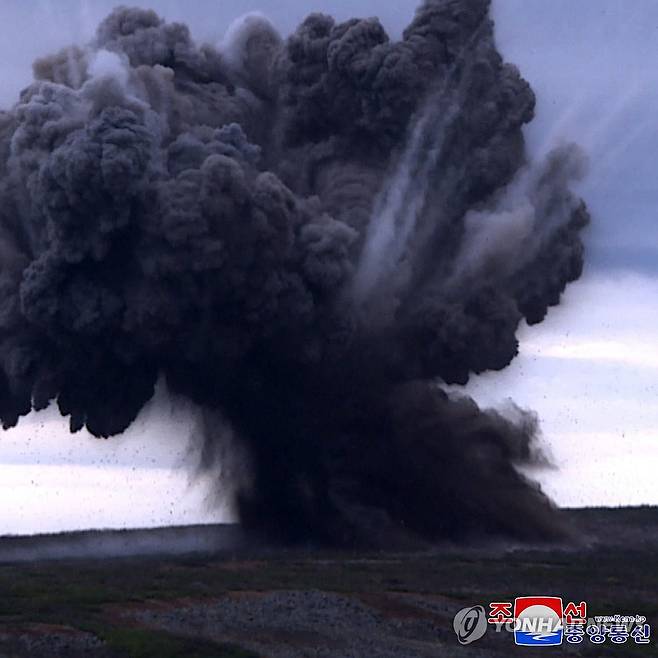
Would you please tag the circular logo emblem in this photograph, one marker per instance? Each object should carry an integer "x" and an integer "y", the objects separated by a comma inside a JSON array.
[{"x": 470, "y": 624}]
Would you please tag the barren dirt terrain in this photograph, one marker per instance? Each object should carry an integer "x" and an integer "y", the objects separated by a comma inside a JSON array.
[{"x": 220, "y": 597}]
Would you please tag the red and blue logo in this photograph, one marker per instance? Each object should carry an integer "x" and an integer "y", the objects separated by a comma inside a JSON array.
[{"x": 538, "y": 621}]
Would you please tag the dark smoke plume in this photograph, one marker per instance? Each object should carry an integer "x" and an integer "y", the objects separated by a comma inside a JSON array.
[{"x": 304, "y": 236}]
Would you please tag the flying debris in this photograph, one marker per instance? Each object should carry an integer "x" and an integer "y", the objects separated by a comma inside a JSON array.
[{"x": 304, "y": 236}]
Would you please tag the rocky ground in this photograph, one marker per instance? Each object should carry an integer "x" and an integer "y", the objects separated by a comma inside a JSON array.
[{"x": 244, "y": 601}]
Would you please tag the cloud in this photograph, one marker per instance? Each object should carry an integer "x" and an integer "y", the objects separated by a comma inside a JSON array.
[
  {"x": 590, "y": 373},
  {"x": 53, "y": 498},
  {"x": 616, "y": 351}
]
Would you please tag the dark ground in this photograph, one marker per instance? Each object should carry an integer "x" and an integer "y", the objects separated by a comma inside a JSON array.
[{"x": 233, "y": 601}]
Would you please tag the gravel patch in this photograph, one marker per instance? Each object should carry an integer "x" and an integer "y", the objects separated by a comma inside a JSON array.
[
  {"x": 51, "y": 641},
  {"x": 302, "y": 624}
]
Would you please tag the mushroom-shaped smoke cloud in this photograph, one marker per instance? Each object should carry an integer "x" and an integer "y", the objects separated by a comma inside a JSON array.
[{"x": 307, "y": 235}]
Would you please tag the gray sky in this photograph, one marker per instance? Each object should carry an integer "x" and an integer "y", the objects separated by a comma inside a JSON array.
[
  {"x": 592, "y": 65},
  {"x": 32, "y": 28},
  {"x": 589, "y": 371},
  {"x": 591, "y": 62}
]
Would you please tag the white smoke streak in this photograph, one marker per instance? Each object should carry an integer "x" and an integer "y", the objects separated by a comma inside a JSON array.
[
  {"x": 401, "y": 200},
  {"x": 402, "y": 197}
]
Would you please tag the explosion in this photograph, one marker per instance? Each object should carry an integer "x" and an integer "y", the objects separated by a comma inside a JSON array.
[{"x": 307, "y": 236}]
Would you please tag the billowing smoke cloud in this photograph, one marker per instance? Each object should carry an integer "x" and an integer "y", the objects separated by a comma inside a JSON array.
[{"x": 305, "y": 237}]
